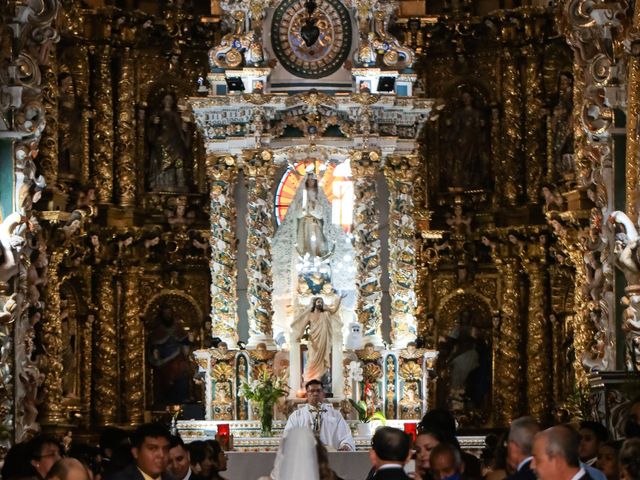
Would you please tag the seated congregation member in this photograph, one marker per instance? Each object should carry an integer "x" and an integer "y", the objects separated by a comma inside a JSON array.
[
  {"x": 218, "y": 457},
  {"x": 446, "y": 462},
  {"x": 390, "y": 450},
  {"x": 324, "y": 420},
  {"x": 150, "y": 450},
  {"x": 442, "y": 421},
  {"x": 592, "y": 435},
  {"x": 17, "y": 465},
  {"x": 115, "y": 450},
  {"x": 607, "y": 461},
  {"x": 494, "y": 457},
  {"x": 69, "y": 469},
  {"x": 180, "y": 461},
  {"x": 630, "y": 460},
  {"x": 519, "y": 445},
  {"x": 201, "y": 458},
  {"x": 426, "y": 441},
  {"x": 555, "y": 455},
  {"x": 632, "y": 424},
  {"x": 44, "y": 452}
]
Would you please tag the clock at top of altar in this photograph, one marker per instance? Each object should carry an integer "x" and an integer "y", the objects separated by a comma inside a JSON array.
[
  {"x": 291, "y": 46},
  {"x": 311, "y": 49}
]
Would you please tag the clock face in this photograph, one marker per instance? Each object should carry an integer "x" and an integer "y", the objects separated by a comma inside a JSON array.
[{"x": 327, "y": 53}]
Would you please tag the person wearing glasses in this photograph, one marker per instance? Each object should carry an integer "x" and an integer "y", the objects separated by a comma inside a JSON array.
[
  {"x": 45, "y": 451},
  {"x": 325, "y": 421}
]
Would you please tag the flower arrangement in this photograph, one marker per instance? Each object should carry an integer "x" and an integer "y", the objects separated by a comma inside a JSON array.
[
  {"x": 366, "y": 415},
  {"x": 265, "y": 391}
]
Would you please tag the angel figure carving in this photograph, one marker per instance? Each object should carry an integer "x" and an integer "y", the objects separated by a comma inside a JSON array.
[
  {"x": 322, "y": 320},
  {"x": 626, "y": 245}
]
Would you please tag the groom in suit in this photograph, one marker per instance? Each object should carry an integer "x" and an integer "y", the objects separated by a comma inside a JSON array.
[
  {"x": 150, "y": 445},
  {"x": 390, "y": 450}
]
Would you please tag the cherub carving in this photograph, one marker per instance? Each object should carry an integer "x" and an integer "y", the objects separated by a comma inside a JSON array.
[{"x": 368, "y": 353}]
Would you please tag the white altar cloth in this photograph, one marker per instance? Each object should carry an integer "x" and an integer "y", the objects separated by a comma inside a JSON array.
[{"x": 252, "y": 465}]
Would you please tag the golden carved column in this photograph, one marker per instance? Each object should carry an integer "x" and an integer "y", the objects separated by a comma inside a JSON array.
[
  {"x": 534, "y": 125},
  {"x": 364, "y": 168},
  {"x": 400, "y": 172},
  {"x": 53, "y": 413},
  {"x": 48, "y": 148},
  {"x": 81, "y": 76},
  {"x": 583, "y": 328},
  {"x": 222, "y": 173},
  {"x": 126, "y": 131},
  {"x": 508, "y": 376},
  {"x": 538, "y": 351},
  {"x": 633, "y": 110},
  {"x": 512, "y": 134},
  {"x": 106, "y": 351},
  {"x": 103, "y": 126},
  {"x": 584, "y": 169},
  {"x": 259, "y": 173},
  {"x": 133, "y": 352}
]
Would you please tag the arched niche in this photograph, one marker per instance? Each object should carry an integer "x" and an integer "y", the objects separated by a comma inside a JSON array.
[
  {"x": 464, "y": 367},
  {"x": 174, "y": 326}
]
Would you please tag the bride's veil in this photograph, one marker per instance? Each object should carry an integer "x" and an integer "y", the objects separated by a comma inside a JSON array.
[{"x": 297, "y": 458}]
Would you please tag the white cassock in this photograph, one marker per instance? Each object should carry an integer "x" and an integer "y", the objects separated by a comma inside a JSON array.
[{"x": 334, "y": 431}]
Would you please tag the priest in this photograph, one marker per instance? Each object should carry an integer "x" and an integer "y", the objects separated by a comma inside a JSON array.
[{"x": 326, "y": 422}]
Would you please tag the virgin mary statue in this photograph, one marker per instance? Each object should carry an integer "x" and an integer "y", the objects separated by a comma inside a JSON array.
[{"x": 307, "y": 235}]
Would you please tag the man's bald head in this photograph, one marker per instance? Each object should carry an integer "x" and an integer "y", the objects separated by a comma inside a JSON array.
[{"x": 68, "y": 469}]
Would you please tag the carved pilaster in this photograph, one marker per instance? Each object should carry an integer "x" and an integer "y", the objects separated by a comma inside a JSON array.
[
  {"x": 400, "y": 173},
  {"x": 533, "y": 123},
  {"x": 507, "y": 368},
  {"x": 538, "y": 347},
  {"x": 222, "y": 173},
  {"x": 125, "y": 128},
  {"x": 572, "y": 240},
  {"x": 259, "y": 172},
  {"x": 106, "y": 353},
  {"x": 133, "y": 352},
  {"x": 632, "y": 174},
  {"x": 103, "y": 126},
  {"x": 364, "y": 168},
  {"x": 48, "y": 155},
  {"x": 512, "y": 133},
  {"x": 87, "y": 366},
  {"x": 52, "y": 343}
]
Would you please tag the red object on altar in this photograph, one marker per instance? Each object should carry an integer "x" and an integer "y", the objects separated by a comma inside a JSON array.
[
  {"x": 224, "y": 436},
  {"x": 410, "y": 428}
]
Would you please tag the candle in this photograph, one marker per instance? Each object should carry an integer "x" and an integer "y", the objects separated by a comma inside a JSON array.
[
  {"x": 410, "y": 429},
  {"x": 223, "y": 435}
]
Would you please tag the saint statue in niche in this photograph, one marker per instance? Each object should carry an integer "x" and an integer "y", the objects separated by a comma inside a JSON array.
[
  {"x": 562, "y": 126},
  {"x": 310, "y": 228},
  {"x": 170, "y": 347},
  {"x": 69, "y": 334},
  {"x": 169, "y": 135},
  {"x": 69, "y": 131},
  {"x": 466, "y": 145},
  {"x": 466, "y": 355}
]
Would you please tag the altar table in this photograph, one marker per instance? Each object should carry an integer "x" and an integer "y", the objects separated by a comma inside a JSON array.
[{"x": 252, "y": 465}]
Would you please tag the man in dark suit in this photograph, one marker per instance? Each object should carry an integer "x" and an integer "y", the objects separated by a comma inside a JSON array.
[
  {"x": 180, "y": 460},
  {"x": 390, "y": 450},
  {"x": 556, "y": 457},
  {"x": 519, "y": 445},
  {"x": 446, "y": 462},
  {"x": 150, "y": 449}
]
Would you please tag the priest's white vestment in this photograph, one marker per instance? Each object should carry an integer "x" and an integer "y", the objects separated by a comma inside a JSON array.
[{"x": 334, "y": 430}]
